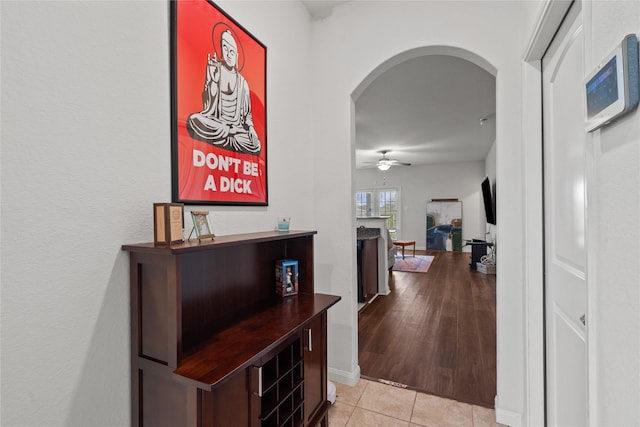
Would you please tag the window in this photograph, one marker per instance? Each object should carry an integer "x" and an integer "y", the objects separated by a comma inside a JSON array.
[
  {"x": 364, "y": 203},
  {"x": 381, "y": 202},
  {"x": 387, "y": 206}
]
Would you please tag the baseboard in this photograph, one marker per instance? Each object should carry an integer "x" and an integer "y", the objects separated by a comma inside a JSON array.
[
  {"x": 507, "y": 417},
  {"x": 345, "y": 377}
]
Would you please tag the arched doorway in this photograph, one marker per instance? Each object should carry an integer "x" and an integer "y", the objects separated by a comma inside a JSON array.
[{"x": 386, "y": 365}]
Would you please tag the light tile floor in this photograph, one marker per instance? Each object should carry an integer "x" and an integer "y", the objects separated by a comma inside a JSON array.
[{"x": 373, "y": 404}]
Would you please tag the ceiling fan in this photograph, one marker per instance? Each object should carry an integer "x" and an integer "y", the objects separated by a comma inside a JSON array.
[{"x": 384, "y": 163}]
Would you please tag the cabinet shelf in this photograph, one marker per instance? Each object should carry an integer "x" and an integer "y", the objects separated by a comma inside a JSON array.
[
  {"x": 242, "y": 344},
  {"x": 219, "y": 242},
  {"x": 205, "y": 314}
]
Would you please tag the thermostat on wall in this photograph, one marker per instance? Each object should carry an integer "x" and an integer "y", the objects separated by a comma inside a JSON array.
[{"x": 612, "y": 88}]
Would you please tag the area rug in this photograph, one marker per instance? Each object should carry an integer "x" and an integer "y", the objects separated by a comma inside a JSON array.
[{"x": 413, "y": 264}]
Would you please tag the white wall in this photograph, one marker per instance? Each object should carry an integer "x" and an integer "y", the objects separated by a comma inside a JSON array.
[
  {"x": 612, "y": 156},
  {"x": 85, "y": 153},
  {"x": 490, "y": 164},
  {"x": 347, "y": 47},
  {"x": 419, "y": 184},
  {"x": 613, "y": 210}
]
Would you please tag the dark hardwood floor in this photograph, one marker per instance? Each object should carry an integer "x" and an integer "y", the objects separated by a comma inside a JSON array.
[{"x": 435, "y": 332}]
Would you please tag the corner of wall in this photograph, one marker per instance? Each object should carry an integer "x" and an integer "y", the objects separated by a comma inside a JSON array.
[
  {"x": 507, "y": 417},
  {"x": 344, "y": 377}
]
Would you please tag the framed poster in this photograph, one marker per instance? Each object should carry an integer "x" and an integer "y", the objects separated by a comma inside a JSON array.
[{"x": 218, "y": 112}]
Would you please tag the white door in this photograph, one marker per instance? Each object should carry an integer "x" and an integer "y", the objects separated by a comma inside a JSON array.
[{"x": 564, "y": 223}]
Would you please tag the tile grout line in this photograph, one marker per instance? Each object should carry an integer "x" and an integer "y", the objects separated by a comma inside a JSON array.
[
  {"x": 381, "y": 413},
  {"x": 355, "y": 406},
  {"x": 473, "y": 417},
  {"x": 413, "y": 408}
]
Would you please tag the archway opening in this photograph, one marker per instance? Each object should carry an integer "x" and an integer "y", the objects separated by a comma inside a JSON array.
[{"x": 440, "y": 116}]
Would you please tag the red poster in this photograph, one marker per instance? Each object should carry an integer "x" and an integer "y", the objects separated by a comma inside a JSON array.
[{"x": 219, "y": 123}]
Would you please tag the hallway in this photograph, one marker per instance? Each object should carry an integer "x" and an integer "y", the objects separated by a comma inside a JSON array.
[{"x": 435, "y": 332}]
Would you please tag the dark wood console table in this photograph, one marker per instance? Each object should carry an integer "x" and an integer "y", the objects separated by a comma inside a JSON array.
[{"x": 213, "y": 345}]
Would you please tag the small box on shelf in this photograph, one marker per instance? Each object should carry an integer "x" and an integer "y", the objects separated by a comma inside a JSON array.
[
  {"x": 168, "y": 223},
  {"x": 286, "y": 277}
]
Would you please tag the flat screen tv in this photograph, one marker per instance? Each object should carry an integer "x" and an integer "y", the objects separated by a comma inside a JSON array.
[{"x": 489, "y": 205}]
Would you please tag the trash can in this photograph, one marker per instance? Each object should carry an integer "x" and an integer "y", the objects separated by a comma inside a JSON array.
[{"x": 331, "y": 392}]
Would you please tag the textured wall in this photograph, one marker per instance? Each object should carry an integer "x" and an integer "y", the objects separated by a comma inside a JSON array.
[
  {"x": 85, "y": 153},
  {"x": 347, "y": 47},
  {"x": 613, "y": 242}
]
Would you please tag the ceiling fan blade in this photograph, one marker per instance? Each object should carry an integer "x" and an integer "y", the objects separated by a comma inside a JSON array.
[
  {"x": 394, "y": 162},
  {"x": 383, "y": 161}
]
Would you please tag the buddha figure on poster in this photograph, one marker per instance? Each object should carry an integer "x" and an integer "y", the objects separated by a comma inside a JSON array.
[{"x": 225, "y": 120}]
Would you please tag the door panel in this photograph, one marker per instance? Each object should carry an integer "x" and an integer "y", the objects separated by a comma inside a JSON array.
[
  {"x": 565, "y": 261},
  {"x": 315, "y": 362},
  {"x": 571, "y": 380}
]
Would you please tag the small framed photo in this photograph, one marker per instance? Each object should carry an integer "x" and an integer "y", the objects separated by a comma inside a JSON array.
[
  {"x": 201, "y": 225},
  {"x": 286, "y": 277}
]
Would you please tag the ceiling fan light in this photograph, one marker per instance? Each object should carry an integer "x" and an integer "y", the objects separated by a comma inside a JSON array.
[{"x": 383, "y": 166}]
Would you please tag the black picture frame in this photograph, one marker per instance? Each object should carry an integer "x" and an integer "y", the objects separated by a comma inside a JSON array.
[{"x": 218, "y": 150}]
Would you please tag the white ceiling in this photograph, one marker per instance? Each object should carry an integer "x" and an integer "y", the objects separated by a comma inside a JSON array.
[
  {"x": 425, "y": 110},
  {"x": 321, "y": 9}
]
